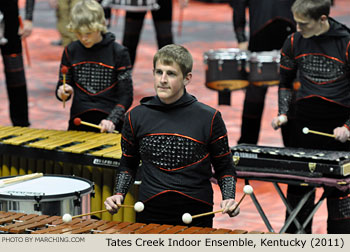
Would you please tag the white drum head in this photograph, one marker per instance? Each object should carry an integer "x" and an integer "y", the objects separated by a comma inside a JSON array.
[{"x": 48, "y": 187}]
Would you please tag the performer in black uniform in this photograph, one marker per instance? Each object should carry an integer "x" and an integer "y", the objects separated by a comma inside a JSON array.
[
  {"x": 162, "y": 20},
  {"x": 99, "y": 71},
  {"x": 270, "y": 22},
  {"x": 319, "y": 51},
  {"x": 13, "y": 59},
  {"x": 178, "y": 139}
]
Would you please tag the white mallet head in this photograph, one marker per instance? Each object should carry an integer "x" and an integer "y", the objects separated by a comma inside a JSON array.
[
  {"x": 67, "y": 218},
  {"x": 306, "y": 130},
  {"x": 186, "y": 218},
  {"x": 282, "y": 119},
  {"x": 139, "y": 206},
  {"x": 248, "y": 189}
]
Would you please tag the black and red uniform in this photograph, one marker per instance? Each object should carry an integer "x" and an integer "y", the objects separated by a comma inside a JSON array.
[
  {"x": 270, "y": 23},
  {"x": 323, "y": 103},
  {"x": 101, "y": 79},
  {"x": 178, "y": 145},
  {"x": 13, "y": 61}
]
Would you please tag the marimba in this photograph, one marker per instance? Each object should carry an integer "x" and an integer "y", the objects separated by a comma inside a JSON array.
[
  {"x": 297, "y": 166},
  {"x": 295, "y": 161},
  {"x": 84, "y": 154},
  {"x": 19, "y": 223}
]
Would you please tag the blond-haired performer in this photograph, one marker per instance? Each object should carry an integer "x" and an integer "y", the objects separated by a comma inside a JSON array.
[
  {"x": 99, "y": 71},
  {"x": 178, "y": 140}
]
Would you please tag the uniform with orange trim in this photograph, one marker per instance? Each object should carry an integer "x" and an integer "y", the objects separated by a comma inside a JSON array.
[
  {"x": 182, "y": 144},
  {"x": 98, "y": 71},
  {"x": 177, "y": 144},
  {"x": 319, "y": 53}
]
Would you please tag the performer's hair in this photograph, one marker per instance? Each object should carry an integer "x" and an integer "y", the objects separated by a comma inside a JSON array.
[
  {"x": 87, "y": 16},
  {"x": 178, "y": 54},
  {"x": 312, "y": 8}
]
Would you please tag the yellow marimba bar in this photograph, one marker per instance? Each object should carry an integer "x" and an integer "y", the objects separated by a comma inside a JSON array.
[{"x": 88, "y": 155}]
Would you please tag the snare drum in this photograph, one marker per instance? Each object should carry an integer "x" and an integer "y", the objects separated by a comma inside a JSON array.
[
  {"x": 135, "y": 5},
  {"x": 263, "y": 68},
  {"x": 49, "y": 195},
  {"x": 225, "y": 69}
]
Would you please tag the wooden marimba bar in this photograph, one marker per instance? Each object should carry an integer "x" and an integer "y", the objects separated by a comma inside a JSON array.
[
  {"x": 19, "y": 223},
  {"x": 84, "y": 154}
]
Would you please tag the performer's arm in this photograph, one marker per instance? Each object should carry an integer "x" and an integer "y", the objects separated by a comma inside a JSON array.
[
  {"x": 68, "y": 77},
  {"x": 29, "y": 9},
  {"x": 26, "y": 26},
  {"x": 127, "y": 170},
  {"x": 342, "y": 133},
  {"x": 130, "y": 159},
  {"x": 288, "y": 71},
  {"x": 124, "y": 92},
  {"x": 221, "y": 158}
]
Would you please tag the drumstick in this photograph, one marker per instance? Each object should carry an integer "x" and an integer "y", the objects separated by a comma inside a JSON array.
[
  {"x": 187, "y": 218},
  {"x": 25, "y": 46},
  {"x": 78, "y": 121},
  {"x": 138, "y": 207},
  {"x": 64, "y": 71},
  {"x": 5, "y": 182},
  {"x": 307, "y": 131}
]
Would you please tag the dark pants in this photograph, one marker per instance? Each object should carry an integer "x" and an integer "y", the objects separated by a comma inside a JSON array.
[
  {"x": 168, "y": 208},
  {"x": 162, "y": 20},
  {"x": 13, "y": 65},
  {"x": 253, "y": 109},
  {"x": 320, "y": 115},
  {"x": 252, "y": 112}
]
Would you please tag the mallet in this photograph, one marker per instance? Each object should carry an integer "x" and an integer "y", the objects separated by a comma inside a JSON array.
[
  {"x": 138, "y": 207},
  {"x": 187, "y": 218},
  {"x": 64, "y": 71},
  {"x": 307, "y": 131},
  {"x": 78, "y": 121}
]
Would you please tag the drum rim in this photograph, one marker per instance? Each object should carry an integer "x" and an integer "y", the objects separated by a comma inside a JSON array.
[
  {"x": 228, "y": 53},
  {"x": 43, "y": 198}
]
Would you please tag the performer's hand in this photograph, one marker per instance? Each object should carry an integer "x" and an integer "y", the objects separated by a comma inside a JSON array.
[
  {"x": 26, "y": 30},
  {"x": 107, "y": 126},
  {"x": 229, "y": 207},
  {"x": 64, "y": 94},
  {"x": 243, "y": 45},
  {"x": 112, "y": 202},
  {"x": 341, "y": 134},
  {"x": 278, "y": 121}
]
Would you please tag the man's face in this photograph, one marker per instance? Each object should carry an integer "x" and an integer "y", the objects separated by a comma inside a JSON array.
[
  {"x": 90, "y": 38},
  {"x": 169, "y": 82},
  {"x": 308, "y": 27}
]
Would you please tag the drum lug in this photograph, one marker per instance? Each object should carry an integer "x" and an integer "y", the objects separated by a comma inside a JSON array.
[
  {"x": 260, "y": 66},
  {"x": 37, "y": 205},
  {"x": 220, "y": 63},
  {"x": 77, "y": 201},
  {"x": 239, "y": 65}
]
